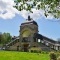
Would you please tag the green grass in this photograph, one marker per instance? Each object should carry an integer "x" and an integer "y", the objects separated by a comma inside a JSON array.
[{"x": 13, "y": 55}]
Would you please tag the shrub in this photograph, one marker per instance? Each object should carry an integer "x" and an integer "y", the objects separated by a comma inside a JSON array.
[
  {"x": 58, "y": 54},
  {"x": 31, "y": 50},
  {"x": 58, "y": 58},
  {"x": 53, "y": 56},
  {"x": 35, "y": 50},
  {"x": 43, "y": 52}
]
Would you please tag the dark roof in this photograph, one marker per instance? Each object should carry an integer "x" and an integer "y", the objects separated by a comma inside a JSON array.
[
  {"x": 30, "y": 22},
  {"x": 38, "y": 36},
  {"x": 49, "y": 39}
]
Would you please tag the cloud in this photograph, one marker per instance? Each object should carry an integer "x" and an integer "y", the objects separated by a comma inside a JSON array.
[
  {"x": 37, "y": 14},
  {"x": 7, "y": 11}
]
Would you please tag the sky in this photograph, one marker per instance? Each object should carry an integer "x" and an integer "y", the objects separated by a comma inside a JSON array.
[{"x": 11, "y": 19}]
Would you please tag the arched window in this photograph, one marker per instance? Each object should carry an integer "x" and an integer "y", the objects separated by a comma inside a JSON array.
[{"x": 26, "y": 33}]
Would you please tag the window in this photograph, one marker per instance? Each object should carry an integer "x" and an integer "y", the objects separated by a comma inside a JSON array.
[
  {"x": 25, "y": 39},
  {"x": 39, "y": 40}
]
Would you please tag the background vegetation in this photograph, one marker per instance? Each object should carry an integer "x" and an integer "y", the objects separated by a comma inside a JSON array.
[
  {"x": 5, "y": 38},
  {"x": 51, "y": 7}
]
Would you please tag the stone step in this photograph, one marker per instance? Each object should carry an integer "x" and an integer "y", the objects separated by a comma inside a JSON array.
[
  {"x": 12, "y": 42},
  {"x": 44, "y": 47}
]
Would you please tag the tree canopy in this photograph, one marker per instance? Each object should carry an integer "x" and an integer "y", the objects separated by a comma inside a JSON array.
[
  {"x": 5, "y": 38},
  {"x": 49, "y": 6}
]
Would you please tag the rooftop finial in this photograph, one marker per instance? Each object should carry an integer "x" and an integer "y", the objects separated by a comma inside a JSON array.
[{"x": 29, "y": 19}]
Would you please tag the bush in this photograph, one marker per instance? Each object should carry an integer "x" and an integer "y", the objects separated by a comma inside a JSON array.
[
  {"x": 58, "y": 58},
  {"x": 58, "y": 54},
  {"x": 53, "y": 56},
  {"x": 31, "y": 50},
  {"x": 44, "y": 52},
  {"x": 35, "y": 50}
]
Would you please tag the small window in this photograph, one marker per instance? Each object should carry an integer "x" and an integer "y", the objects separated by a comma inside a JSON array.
[{"x": 39, "y": 40}]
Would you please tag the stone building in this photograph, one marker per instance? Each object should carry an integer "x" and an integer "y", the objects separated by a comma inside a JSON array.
[{"x": 30, "y": 38}]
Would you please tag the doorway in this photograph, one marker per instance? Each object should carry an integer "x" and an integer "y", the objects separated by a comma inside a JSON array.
[{"x": 25, "y": 47}]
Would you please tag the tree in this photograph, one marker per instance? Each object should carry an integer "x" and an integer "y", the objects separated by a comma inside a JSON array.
[
  {"x": 0, "y": 37},
  {"x": 49, "y": 6},
  {"x": 6, "y": 37}
]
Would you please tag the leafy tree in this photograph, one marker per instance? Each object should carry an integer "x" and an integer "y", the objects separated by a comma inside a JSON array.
[
  {"x": 6, "y": 37},
  {"x": 0, "y": 37},
  {"x": 49, "y": 6}
]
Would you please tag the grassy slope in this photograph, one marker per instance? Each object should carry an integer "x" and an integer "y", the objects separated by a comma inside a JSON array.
[{"x": 9, "y": 55}]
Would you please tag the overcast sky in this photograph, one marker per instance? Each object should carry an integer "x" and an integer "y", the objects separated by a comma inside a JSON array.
[{"x": 11, "y": 19}]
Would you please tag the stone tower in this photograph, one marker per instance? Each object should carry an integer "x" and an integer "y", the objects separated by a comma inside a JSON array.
[{"x": 27, "y": 31}]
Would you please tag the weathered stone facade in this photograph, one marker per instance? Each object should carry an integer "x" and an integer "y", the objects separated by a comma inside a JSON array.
[
  {"x": 27, "y": 31},
  {"x": 30, "y": 38}
]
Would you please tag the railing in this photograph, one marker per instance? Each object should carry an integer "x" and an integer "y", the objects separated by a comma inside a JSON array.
[{"x": 12, "y": 42}]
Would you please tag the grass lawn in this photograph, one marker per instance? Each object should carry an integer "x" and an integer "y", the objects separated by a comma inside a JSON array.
[{"x": 14, "y": 55}]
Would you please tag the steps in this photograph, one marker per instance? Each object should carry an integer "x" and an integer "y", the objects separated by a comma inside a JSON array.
[
  {"x": 12, "y": 42},
  {"x": 44, "y": 47},
  {"x": 12, "y": 45}
]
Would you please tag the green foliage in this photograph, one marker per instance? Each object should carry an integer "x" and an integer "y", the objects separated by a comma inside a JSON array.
[
  {"x": 19, "y": 0},
  {"x": 53, "y": 56},
  {"x": 44, "y": 52},
  {"x": 5, "y": 37},
  {"x": 49, "y": 6},
  {"x": 58, "y": 58},
  {"x": 35, "y": 50},
  {"x": 0, "y": 38}
]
